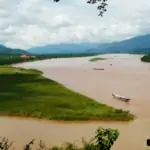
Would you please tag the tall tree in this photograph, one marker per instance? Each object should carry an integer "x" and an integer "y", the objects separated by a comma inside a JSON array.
[{"x": 101, "y": 7}]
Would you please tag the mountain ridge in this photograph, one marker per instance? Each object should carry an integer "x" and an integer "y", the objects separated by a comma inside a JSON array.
[
  {"x": 10, "y": 51},
  {"x": 139, "y": 44},
  {"x": 136, "y": 45}
]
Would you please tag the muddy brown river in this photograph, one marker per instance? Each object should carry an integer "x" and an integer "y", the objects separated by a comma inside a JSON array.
[{"x": 126, "y": 76}]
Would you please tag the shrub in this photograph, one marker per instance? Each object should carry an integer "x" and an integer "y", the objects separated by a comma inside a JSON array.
[{"x": 103, "y": 140}]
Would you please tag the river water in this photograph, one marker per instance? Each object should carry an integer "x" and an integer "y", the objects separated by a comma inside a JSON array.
[{"x": 126, "y": 76}]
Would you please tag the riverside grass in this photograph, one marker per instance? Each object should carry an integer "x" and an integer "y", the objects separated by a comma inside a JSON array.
[
  {"x": 96, "y": 59},
  {"x": 146, "y": 58},
  {"x": 27, "y": 93}
]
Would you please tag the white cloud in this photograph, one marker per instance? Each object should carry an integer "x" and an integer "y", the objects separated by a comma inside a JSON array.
[
  {"x": 61, "y": 21},
  {"x": 29, "y": 23}
]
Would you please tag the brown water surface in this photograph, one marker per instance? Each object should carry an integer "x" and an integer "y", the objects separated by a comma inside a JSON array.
[{"x": 127, "y": 76}]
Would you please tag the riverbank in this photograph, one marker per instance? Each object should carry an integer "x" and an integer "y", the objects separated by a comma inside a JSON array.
[
  {"x": 27, "y": 93},
  {"x": 94, "y": 59},
  {"x": 12, "y": 59},
  {"x": 146, "y": 58}
]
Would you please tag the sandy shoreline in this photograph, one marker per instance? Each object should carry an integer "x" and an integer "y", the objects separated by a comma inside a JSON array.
[{"x": 127, "y": 76}]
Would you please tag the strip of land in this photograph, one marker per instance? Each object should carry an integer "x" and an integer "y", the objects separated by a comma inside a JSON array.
[
  {"x": 96, "y": 59},
  {"x": 146, "y": 58},
  {"x": 28, "y": 93}
]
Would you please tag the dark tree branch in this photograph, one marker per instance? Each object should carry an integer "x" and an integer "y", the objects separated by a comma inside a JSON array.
[{"x": 101, "y": 7}]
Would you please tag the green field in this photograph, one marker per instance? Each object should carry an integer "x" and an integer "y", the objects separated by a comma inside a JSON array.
[
  {"x": 27, "y": 93},
  {"x": 96, "y": 59},
  {"x": 146, "y": 58}
]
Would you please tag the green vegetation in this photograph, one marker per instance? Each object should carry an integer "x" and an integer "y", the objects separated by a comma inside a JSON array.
[
  {"x": 10, "y": 59},
  {"x": 96, "y": 59},
  {"x": 146, "y": 58},
  {"x": 6, "y": 60},
  {"x": 103, "y": 140},
  {"x": 27, "y": 93}
]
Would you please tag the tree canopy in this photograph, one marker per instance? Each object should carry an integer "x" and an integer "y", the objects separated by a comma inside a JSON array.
[{"x": 101, "y": 7}]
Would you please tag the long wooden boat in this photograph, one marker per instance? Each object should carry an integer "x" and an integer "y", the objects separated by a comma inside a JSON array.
[{"x": 123, "y": 98}]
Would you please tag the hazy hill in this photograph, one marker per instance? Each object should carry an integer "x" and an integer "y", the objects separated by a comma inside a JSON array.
[
  {"x": 139, "y": 44},
  {"x": 9, "y": 51}
]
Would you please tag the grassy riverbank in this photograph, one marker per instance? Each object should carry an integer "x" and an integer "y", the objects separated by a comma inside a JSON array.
[
  {"x": 10, "y": 59},
  {"x": 146, "y": 58},
  {"x": 96, "y": 59},
  {"x": 27, "y": 93}
]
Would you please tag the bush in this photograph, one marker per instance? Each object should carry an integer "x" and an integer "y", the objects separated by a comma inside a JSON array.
[
  {"x": 103, "y": 140},
  {"x": 146, "y": 58}
]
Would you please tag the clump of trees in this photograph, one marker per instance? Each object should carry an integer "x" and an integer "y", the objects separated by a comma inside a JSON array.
[
  {"x": 103, "y": 140},
  {"x": 101, "y": 7},
  {"x": 146, "y": 58},
  {"x": 7, "y": 60}
]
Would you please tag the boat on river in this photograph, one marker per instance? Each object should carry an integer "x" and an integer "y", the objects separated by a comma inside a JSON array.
[
  {"x": 123, "y": 98},
  {"x": 98, "y": 68}
]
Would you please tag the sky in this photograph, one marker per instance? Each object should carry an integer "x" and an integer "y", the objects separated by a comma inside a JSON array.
[{"x": 31, "y": 23}]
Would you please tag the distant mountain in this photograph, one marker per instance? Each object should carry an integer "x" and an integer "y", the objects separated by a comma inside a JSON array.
[
  {"x": 63, "y": 48},
  {"x": 9, "y": 51},
  {"x": 137, "y": 45}
]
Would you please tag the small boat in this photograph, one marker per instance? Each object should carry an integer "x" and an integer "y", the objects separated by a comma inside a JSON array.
[
  {"x": 123, "y": 98},
  {"x": 98, "y": 68}
]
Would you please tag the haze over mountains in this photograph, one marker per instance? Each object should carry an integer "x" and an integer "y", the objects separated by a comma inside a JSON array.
[
  {"x": 136, "y": 45},
  {"x": 64, "y": 48},
  {"x": 139, "y": 44}
]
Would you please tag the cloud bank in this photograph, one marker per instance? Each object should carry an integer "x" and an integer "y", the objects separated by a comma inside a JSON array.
[{"x": 28, "y": 23}]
